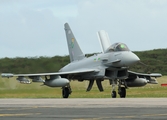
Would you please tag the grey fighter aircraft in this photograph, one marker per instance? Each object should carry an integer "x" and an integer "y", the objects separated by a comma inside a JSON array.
[{"x": 110, "y": 65}]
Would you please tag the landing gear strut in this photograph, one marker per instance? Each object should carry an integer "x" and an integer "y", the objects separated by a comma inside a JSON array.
[
  {"x": 121, "y": 88},
  {"x": 66, "y": 91},
  {"x": 113, "y": 93}
]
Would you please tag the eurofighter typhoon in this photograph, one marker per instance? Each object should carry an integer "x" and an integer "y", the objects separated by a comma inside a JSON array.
[{"x": 112, "y": 64}]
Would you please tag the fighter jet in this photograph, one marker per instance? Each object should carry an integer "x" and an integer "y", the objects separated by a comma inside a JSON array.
[{"x": 112, "y": 64}]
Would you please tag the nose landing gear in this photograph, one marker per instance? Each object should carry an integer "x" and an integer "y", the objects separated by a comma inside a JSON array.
[{"x": 121, "y": 88}]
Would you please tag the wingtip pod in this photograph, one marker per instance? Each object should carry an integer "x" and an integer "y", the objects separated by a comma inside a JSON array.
[
  {"x": 8, "y": 75},
  {"x": 156, "y": 75}
]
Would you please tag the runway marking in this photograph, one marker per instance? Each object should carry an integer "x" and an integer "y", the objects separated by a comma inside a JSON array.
[
  {"x": 122, "y": 117},
  {"x": 147, "y": 115},
  {"x": 155, "y": 115},
  {"x": 100, "y": 118},
  {"x": 7, "y": 115},
  {"x": 18, "y": 108}
]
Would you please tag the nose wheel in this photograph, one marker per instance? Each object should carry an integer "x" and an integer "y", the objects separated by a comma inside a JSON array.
[
  {"x": 114, "y": 94},
  {"x": 122, "y": 92},
  {"x": 121, "y": 89}
]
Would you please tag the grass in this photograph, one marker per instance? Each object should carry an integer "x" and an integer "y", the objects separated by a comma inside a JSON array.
[{"x": 11, "y": 88}]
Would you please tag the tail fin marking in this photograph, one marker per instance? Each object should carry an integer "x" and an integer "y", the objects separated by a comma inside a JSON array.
[{"x": 75, "y": 51}]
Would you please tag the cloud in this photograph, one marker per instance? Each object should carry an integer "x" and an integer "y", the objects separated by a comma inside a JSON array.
[
  {"x": 131, "y": 22},
  {"x": 35, "y": 27}
]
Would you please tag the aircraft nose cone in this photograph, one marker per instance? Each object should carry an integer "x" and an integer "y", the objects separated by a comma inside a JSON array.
[
  {"x": 135, "y": 58},
  {"x": 130, "y": 59}
]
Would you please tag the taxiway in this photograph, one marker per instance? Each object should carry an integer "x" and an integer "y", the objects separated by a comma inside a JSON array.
[{"x": 84, "y": 109}]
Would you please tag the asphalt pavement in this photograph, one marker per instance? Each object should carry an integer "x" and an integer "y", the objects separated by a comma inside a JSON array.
[{"x": 84, "y": 109}]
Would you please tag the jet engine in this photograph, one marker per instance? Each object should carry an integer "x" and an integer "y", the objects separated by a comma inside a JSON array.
[
  {"x": 56, "y": 81},
  {"x": 138, "y": 82},
  {"x": 24, "y": 80}
]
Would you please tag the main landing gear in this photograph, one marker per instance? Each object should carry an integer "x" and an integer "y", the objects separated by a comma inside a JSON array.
[
  {"x": 66, "y": 91},
  {"x": 121, "y": 88}
]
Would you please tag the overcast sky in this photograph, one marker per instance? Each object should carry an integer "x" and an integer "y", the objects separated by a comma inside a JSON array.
[{"x": 30, "y": 28}]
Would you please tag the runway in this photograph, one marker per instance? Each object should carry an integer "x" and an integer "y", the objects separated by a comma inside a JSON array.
[{"x": 84, "y": 109}]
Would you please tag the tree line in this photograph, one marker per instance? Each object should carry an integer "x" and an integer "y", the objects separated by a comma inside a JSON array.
[{"x": 153, "y": 61}]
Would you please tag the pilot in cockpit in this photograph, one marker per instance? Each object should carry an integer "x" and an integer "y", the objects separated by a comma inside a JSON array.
[
  {"x": 117, "y": 47},
  {"x": 121, "y": 47}
]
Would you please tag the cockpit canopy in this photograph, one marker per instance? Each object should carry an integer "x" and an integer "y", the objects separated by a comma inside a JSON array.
[{"x": 117, "y": 47}]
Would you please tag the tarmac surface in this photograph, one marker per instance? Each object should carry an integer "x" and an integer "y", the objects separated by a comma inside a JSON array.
[{"x": 84, "y": 109}]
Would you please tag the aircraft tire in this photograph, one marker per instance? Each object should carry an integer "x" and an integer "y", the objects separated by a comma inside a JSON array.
[
  {"x": 65, "y": 92},
  {"x": 123, "y": 92},
  {"x": 114, "y": 94}
]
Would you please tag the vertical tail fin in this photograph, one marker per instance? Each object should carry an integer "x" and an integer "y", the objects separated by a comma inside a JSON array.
[
  {"x": 104, "y": 40},
  {"x": 75, "y": 51}
]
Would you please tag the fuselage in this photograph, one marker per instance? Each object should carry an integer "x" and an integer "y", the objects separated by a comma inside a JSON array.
[
  {"x": 112, "y": 64},
  {"x": 107, "y": 60}
]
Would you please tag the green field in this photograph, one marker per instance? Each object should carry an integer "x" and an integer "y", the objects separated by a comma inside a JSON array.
[{"x": 11, "y": 88}]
